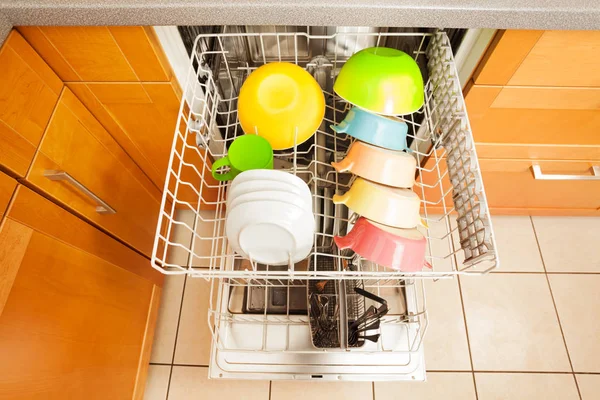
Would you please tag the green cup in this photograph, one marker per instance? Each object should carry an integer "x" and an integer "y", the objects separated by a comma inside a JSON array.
[{"x": 245, "y": 153}]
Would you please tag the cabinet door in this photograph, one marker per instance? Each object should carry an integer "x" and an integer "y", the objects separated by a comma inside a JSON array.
[
  {"x": 77, "y": 144},
  {"x": 29, "y": 91},
  {"x": 504, "y": 55},
  {"x": 541, "y": 58},
  {"x": 562, "y": 58},
  {"x": 142, "y": 118},
  {"x": 537, "y": 123},
  {"x": 100, "y": 53},
  {"x": 7, "y": 187},
  {"x": 77, "y": 308},
  {"x": 512, "y": 187}
]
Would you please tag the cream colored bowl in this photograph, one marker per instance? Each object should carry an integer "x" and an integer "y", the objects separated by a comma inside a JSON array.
[
  {"x": 389, "y": 167},
  {"x": 384, "y": 204}
]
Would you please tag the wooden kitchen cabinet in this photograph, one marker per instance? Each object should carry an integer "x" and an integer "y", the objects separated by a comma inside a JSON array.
[
  {"x": 29, "y": 90},
  {"x": 123, "y": 78},
  {"x": 100, "y": 53},
  {"x": 535, "y": 99},
  {"x": 76, "y": 143},
  {"x": 77, "y": 308}
]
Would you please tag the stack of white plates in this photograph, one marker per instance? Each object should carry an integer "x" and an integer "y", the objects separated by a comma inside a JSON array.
[{"x": 269, "y": 217}]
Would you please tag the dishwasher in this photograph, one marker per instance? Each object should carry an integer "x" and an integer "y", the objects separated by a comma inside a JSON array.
[{"x": 261, "y": 316}]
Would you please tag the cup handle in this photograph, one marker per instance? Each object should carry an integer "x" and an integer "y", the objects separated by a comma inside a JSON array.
[
  {"x": 339, "y": 128},
  {"x": 340, "y": 199},
  {"x": 223, "y": 162},
  {"x": 343, "y": 242},
  {"x": 343, "y": 166}
]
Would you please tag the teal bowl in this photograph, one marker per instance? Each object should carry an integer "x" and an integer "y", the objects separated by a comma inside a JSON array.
[{"x": 374, "y": 129}]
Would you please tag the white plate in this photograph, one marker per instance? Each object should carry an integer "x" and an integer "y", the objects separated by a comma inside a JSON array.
[
  {"x": 266, "y": 195},
  {"x": 267, "y": 185},
  {"x": 270, "y": 232},
  {"x": 270, "y": 175}
]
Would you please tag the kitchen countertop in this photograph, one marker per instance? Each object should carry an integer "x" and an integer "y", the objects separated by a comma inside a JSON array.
[{"x": 534, "y": 14}]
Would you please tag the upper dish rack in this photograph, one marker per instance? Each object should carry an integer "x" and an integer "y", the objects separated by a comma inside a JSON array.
[{"x": 460, "y": 235}]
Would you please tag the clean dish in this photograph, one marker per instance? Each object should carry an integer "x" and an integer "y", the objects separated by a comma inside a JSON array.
[
  {"x": 389, "y": 167},
  {"x": 270, "y": 232},
  {"x": 401, "y": 249},
  {"x": 381, "y": 80},
  {"x": 384, "y": 204},
  {"x": 276, "y": 100},
  {"x": 271, "y": 175},
  {"x": 375, "y": 129},
  {"x": 266, "y": 185},
  {"x": 271, "y": 195},
  {"x": 247, "y": 152}
]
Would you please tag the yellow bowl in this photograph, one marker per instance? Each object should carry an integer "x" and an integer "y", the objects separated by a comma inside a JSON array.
[
  {"x": 384, "y": 204},
  {"x": 278, "y": 98}
]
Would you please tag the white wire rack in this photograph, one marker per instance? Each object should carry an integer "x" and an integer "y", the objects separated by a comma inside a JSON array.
[{"x": 460, "y": 236}]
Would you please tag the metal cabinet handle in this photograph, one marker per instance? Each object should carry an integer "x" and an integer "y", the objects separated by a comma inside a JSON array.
[
  {"x": 538, "y": 174},
  {"x": 101, "y": 208}
]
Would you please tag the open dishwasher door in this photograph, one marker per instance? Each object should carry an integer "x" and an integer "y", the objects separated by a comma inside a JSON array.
[
  {"x": 262, "y": 330},
  {"x": 261, "y": 317}
]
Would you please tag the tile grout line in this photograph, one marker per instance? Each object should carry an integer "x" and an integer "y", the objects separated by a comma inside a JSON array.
[
  {"x": 555, "y": 308},
  {"x": 545, "y": 273},
  {"x": 176, "y": 335},
  {"x": 462, "y": 305},
  {"x": 181, "y": 365},
  {"x": 511, "y": 372}
]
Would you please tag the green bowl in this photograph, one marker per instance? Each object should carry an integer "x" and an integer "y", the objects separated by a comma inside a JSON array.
[{"x": 381, "y": 80}]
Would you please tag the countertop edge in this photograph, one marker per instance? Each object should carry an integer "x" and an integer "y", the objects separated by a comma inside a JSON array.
[{"x": 324, "y": 13}]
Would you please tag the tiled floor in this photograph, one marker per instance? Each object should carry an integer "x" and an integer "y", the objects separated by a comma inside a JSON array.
[{"x": 529, "y": 331}]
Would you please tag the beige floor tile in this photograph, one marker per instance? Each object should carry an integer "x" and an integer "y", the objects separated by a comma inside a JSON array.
[
  {"x": 578, "y": 303},
  {"x": 209, "y": 237},
  {"x": 517, "y": 246},
  {"x": 526, "y": 386},
  {"x": 194, "y": 337},
  {"x": 181, "y": 233},
  {"x": 445, "y": 341},
  {"x": 589, "y": 386},
  {"x": 157, "y": 382},
  {"x": 439, "y": 386},
  {"x": 569, "y": 243},
  {"x": 193, "y": 383},
  {"x": 170, "y": 302},
  {"x": 168, "y": 316},
  {"x": 439, "y": 245},
  {"x": 512, "y": 323},
  {"x": 298, "y": 390}
]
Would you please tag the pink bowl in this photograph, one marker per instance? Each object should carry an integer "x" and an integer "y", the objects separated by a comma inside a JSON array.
[{"x": 401, "y": 249}]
